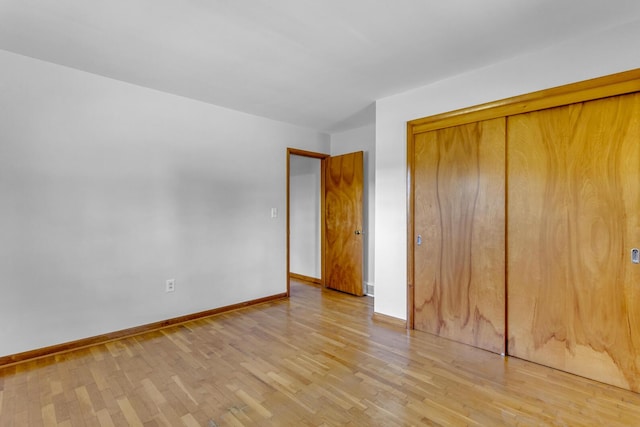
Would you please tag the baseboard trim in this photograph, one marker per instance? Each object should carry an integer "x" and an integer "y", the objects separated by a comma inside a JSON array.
[
  {"x": 390, "y": 320},
  {"x": 39, "y": 353},
  {"x": 304, "y": 278}
]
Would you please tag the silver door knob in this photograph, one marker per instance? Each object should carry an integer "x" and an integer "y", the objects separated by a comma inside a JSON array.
[{"x": 358, "y": 232}]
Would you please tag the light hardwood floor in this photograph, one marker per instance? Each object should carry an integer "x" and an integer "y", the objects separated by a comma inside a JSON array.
[{"x": 317, "y": 359}]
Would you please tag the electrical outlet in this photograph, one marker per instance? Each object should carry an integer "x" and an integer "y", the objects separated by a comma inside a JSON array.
[{"x": 171, "y": 285}]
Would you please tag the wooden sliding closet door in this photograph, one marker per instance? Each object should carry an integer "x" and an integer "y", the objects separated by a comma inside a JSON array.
[
  {"x": 460, "y": 233},
  {"x": 573, "y": 218}
]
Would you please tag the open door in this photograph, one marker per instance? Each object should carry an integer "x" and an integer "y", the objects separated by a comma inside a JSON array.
[{"x": 343, "y": 249}]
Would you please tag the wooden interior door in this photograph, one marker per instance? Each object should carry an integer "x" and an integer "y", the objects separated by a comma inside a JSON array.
[
  {"x": 574, "y": 216},
  {"x": 459, "y": 247},
  {"x": 343, "y": 223}
]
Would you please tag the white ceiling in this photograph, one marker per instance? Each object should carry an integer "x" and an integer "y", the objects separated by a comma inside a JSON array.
[{"x": 314, "y": 63}]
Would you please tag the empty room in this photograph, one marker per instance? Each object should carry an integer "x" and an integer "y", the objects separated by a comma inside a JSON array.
[{"x": 319, "y": 213}]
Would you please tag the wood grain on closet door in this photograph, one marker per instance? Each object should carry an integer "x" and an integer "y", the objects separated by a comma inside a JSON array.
[
  {"x": 573, "y": 217},
  {"x": 460, "y": 218}
]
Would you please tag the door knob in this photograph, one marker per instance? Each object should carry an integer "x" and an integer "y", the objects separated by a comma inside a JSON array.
[
  {"x": 358, "y": 232},
  {"x": 419, "y": 240}
]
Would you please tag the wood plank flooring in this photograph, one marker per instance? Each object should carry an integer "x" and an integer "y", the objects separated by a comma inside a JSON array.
[{"x": 317, "y": 359}]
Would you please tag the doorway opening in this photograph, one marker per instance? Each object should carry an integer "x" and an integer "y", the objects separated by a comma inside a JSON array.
[
  {"x": 327, "y": 190},
  {"x": 305, "y": 216}
]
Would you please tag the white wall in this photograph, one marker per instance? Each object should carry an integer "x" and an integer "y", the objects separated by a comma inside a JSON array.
[
  {"x": 304, "y": 205},
  {"x": 108, "y": 189},
  {"x": 599, "y": 54},
  {"x": 362, "y": 139}
]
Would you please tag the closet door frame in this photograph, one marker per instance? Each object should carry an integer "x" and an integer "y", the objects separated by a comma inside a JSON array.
[{"x": 588, "y": 90}]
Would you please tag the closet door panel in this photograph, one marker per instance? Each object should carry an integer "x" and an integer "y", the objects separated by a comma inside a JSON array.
[
  {"x": 460, "y": 233},
  {"x": 573, "y": 217}
]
